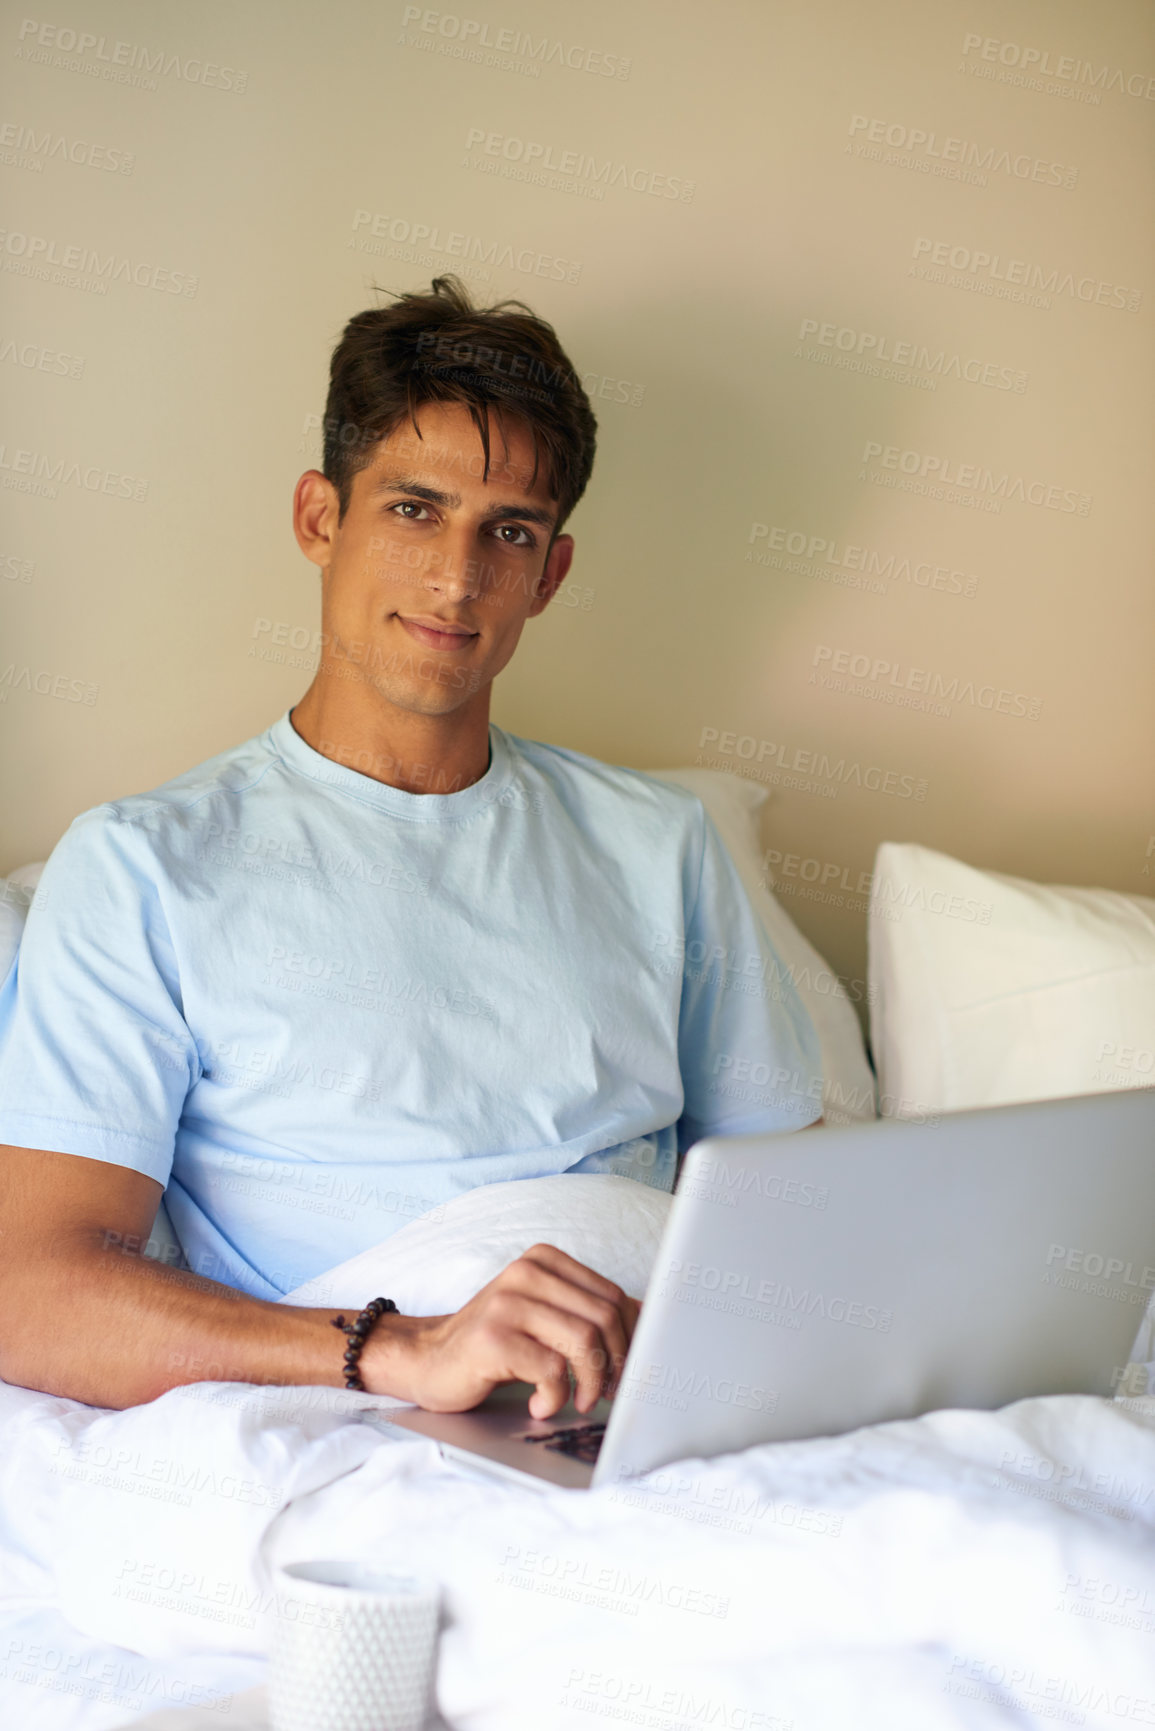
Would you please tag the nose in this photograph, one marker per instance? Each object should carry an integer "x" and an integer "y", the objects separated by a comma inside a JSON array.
[{"x": 454, "y": 568}]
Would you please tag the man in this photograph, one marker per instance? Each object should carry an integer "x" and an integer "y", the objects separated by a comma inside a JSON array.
[{"x": 381, "y": 953}]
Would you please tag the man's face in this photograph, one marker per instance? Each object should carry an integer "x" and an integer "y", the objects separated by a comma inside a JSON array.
[{"x": 430, "y": 577}]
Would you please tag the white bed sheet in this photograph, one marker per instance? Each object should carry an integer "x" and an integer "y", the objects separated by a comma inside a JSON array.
[
  {"x": 960, "y": 1570},
  {"x": 55, "y": 1680}
]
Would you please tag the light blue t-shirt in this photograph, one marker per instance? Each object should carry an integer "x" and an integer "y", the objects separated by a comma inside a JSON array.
[{"x": 314, "y": 1006}]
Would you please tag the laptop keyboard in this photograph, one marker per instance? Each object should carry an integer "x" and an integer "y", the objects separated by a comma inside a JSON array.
[{"x": 582, "y": 1442}]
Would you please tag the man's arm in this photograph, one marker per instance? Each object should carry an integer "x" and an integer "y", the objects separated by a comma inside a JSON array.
[{"x": 83, "y": 1314}]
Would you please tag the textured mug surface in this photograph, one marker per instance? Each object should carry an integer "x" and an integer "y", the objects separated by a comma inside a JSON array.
[{"x": 354, "y": 1648}]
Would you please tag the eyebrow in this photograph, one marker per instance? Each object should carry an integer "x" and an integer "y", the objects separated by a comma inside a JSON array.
[{"x": 451, "y": 501}]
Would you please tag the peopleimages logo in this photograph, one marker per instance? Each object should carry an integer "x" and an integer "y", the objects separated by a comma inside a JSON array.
[
  {"x": 455, "y": 244},
  {"x": 99, "y": 56},
  {"x": 474, "y": 33},
  {"x": 877, "y": 347},
  {"x": 1019, "y": 272},
  {"x": 881, "y": 672},
  {"x": 656, "y": 1377},
  {"x": 848, "y": 557},
  {"x": 976, "y": 479},
  {"x": 578, "y": 165},
  {"x": 799, "y": 1304},
  {"x": 38, "y": 251},
  {"x": 46, "y": 684},
  {"x": 917, "y": 142},
  {"x": 37, "y": 148},
  {"x": 37, "y": 472},
  {"x": 1065, "y": 67},
  {"x": 808, "y": 763}
]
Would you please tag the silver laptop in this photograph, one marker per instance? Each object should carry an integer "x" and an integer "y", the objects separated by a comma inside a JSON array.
[{"x": 809, "y": 1284}]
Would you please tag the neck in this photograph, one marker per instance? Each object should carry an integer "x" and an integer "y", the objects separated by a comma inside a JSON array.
[{"x": 417, "y": 753}]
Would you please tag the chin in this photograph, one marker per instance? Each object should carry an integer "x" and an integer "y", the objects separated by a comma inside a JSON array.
[{"x": 441, "y": 700}]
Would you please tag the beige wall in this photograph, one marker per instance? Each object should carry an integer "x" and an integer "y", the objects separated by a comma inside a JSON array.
[{"x": 715, "y": 326}]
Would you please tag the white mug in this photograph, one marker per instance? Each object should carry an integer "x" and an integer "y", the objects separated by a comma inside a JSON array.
[{"x": 354, "y": 1648}]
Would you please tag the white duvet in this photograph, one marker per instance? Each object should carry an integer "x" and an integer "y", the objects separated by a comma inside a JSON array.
[{"x": 960, "y": 1570}]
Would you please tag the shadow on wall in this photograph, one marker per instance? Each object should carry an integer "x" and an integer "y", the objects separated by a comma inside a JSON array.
[{"x": 691, "y": 641}]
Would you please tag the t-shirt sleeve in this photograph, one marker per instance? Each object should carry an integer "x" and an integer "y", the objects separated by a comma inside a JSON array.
[
  {"x": 95, "y": 1055},
  {"x": 748, "y": 1051}
]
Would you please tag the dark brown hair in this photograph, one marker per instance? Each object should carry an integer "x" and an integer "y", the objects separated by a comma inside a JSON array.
[{"x": 440, "y": 348}]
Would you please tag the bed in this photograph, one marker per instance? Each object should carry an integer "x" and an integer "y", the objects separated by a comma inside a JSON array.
[{"x": 961, "y": 1570}]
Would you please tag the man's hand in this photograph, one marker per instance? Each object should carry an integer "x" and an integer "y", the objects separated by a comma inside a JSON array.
[{"x": 543, "y": 1315}]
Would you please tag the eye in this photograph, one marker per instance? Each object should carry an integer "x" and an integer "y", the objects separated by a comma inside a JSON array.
[
  {"x": 409, "y": 505},
  {"x": 516, "y": 528}
]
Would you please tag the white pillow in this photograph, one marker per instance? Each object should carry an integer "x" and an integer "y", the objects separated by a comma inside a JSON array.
[
  {"x": 988, "y": 990},
  {"x": 16, "y": 892},
  {"x": 436, "y": 1264},
  {"x": 14, "y": 902},
  {"x": 28, "y": 876},
  {"x": 733, "y": 802}
]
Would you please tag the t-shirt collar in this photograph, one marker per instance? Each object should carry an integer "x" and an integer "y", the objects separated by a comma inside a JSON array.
[{"x": 286, "y": 743}]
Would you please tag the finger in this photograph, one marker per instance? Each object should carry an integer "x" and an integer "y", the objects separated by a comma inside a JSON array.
[
  {"x": 610, "y": 1318},
  {"x": 579, "y": 1339},
  {"x": 547, "y": 1398},
  {"x": 628, "y": 1309},
  {"x": 549, "y": 1256},
  {"x": 528, "y": 1359},
  {"x": 539, "y": 1283},
  {"x": 631, "y": 1308}
]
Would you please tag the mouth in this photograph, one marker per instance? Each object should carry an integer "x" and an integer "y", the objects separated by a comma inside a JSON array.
[{"x": 438, "y": 634}]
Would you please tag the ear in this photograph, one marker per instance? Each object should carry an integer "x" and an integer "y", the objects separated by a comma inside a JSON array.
[
  {"x": 315, "y": 513},
  {"x": 557, "y": 563}
]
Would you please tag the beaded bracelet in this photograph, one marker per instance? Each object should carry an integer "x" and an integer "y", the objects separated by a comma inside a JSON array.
[{"x": 358, "y": 1333}]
